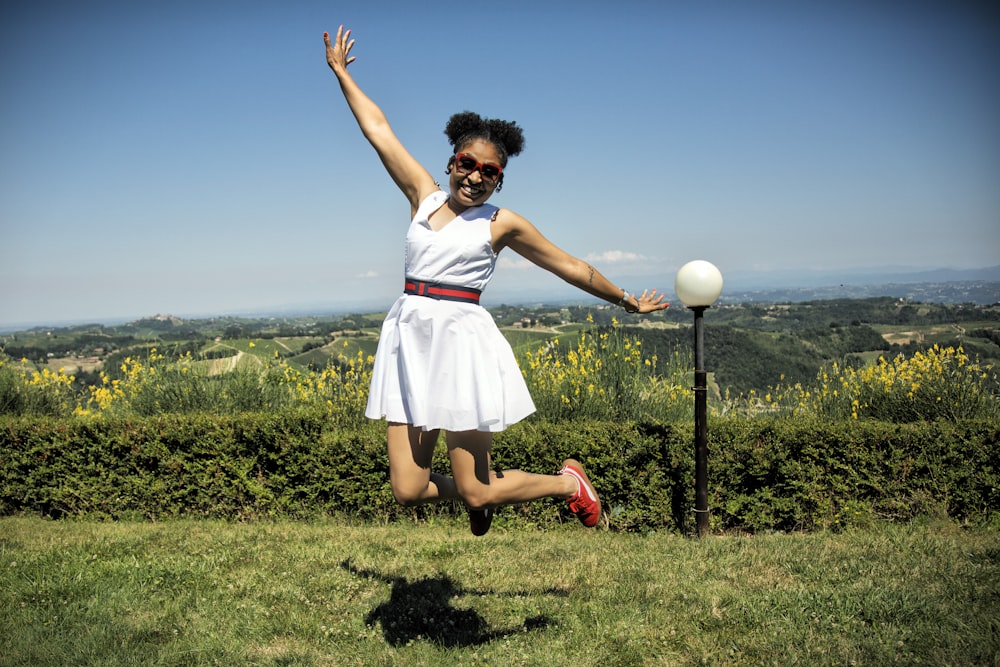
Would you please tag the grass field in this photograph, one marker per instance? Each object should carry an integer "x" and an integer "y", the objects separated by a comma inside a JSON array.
[{"x": 333, "y": 593}]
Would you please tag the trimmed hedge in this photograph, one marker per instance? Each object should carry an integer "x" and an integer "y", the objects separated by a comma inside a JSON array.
[
  {"x": 764, "y": 474},
  {"x": 805, "y": 475}
]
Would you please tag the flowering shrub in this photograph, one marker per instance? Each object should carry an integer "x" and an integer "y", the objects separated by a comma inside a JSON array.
[
  {"x": 154, "y": 385},
  {"x": 605, "y": 374},
  {"x": 341, "y": 388},
  {"x": 24, "y": 391},
  {"x": 941, "y": 383}
]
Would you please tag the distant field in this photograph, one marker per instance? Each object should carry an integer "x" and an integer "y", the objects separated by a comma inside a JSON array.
[
  {"x": 364, "y": 341},
  {"x": 903, "y": 334},
  {"x": 73, "y": 365},
  {"x": 346, "y": 347},
  {"x": 290, "y": 349},
  {"x": 527, "y": 339},
  {"x": 900, "y": 334}
]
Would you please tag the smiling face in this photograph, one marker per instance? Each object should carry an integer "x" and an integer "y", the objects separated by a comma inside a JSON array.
[{"x": 470, "y": 188}]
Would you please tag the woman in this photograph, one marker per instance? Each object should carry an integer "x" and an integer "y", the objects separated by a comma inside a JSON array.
[{"x": 441, "y": 363}]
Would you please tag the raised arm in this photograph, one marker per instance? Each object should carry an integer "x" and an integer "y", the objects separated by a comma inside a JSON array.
[
  {"x": 408, "y": 174},
  {"x": 513, "y": 231}
]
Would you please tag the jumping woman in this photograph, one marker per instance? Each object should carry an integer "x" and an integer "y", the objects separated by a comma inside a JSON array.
[{"x": 442, "y": 363}]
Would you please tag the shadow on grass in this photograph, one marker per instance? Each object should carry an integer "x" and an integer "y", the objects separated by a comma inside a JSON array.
[{"x": 422, "y": 609}]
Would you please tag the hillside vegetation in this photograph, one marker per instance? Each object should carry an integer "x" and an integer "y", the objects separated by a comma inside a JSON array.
[{"x": 750, "y": 347}]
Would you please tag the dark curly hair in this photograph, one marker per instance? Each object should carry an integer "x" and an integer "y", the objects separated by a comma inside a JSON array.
[{"x": 467, "y": 126}]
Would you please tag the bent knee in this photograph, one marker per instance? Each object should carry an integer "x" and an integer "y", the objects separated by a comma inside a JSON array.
[
  {"x": 478, "y": 499},
  {"x": 408, "y": 496},
  {"x": 479, "y": 496}
]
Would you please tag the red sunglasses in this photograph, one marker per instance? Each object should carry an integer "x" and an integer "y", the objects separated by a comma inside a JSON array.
[{"x": 466, "y": 164}]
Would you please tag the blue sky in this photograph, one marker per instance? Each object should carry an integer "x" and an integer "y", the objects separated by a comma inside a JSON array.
[{"x": 196, "y": 158}]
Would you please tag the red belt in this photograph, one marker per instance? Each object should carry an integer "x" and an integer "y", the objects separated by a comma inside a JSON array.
[{"x": 442, "y": 291}]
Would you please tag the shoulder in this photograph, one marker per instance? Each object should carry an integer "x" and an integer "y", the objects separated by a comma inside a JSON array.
[
  {"x": 508, "y": 227},
  {"x": 508, "y": 222}
]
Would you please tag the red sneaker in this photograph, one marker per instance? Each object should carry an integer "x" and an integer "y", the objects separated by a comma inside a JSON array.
[
  {"x": 584, "y": 503},
  {"x": 480, "y": 521}
]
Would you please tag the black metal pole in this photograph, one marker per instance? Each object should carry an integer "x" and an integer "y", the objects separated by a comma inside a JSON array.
[{"x": 700, "y": 424}]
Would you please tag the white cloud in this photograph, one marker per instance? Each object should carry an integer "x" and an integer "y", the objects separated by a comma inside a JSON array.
[
  {"x": 368, "y": 274},
  {"x": 615, "y": 256}
]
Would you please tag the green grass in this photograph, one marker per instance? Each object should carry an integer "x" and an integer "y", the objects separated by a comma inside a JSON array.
[{"x": 334, "y": 593}]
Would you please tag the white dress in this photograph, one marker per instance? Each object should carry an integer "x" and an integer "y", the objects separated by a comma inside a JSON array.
[{"x": 445, "y": 364}]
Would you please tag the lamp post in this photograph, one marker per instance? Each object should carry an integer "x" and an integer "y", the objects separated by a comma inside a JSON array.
[{"x": 698, "y": 285}]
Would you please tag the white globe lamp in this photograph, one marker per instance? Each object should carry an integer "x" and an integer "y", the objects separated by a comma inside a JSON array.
[{"x": 698, "y": 284}]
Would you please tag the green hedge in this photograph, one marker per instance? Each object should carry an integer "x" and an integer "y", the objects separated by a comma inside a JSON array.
[
  {"x": 804, "y": 475},
  {"x": 763, "y": 474}
]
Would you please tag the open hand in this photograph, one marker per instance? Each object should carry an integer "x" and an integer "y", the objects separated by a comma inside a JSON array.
[
  {"x": 650, "y": 301},
  {"x": 338, "y": 53}
]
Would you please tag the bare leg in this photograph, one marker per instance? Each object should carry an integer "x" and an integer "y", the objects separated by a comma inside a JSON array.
[
  {"x": 479, "y": 488},
  {"x": 410, "y": 452}
]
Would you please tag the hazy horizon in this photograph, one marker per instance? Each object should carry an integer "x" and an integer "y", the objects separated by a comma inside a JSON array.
[{"x": 760, "y": 283}]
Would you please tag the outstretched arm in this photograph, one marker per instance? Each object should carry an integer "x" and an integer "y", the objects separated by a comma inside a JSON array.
[
  {"x": 513, "y": 231},
  {"x": 408, "y": 174}
]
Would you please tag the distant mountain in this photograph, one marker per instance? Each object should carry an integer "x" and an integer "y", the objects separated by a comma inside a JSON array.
[
  {"x": 991, "y": 274},
  {"x": 767, "y": 280},
  {"x": 977, "y": 286},
  {"x": 980, "y": 293}
]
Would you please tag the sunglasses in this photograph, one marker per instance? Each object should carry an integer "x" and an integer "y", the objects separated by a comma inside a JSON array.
[{"x": 466, "y": 164}]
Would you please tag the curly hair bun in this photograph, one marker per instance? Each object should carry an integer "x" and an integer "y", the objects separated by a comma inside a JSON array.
[{"x": 467, "y": 126}]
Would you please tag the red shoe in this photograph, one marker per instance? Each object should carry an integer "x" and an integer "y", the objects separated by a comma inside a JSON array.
[
  {"x": 480, "y": 521},
  {"x": 584, "y": 503}
]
